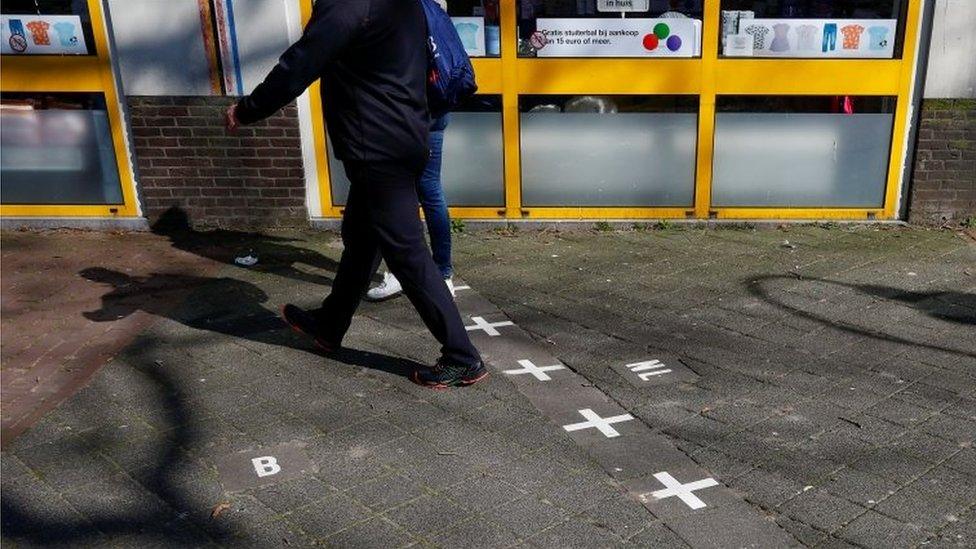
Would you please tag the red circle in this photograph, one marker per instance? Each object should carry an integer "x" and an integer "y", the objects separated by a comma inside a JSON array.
[{"x": 651, "y": 42}]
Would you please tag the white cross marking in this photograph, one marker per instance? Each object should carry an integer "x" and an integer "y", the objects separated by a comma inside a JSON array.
[
  {"x": 656, "y": 366},
  {"x": 601, "y": 423},
  {"x": 685, "y": 492},
  {"x": 459, "y": 288},
  {"x": 488, "y": 327},
  {"x": 538, "y": 371}
]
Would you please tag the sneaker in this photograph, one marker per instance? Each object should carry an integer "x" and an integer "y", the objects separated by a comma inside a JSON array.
[
  {"x": 304, "y": 323},
  {"x": 450, "y": 286},
  {"x": 444, "y": 375},
  {"x": 388, "y": 289}
]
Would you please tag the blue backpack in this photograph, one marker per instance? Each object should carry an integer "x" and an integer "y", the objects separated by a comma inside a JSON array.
[{"x": 450, "y": 76}]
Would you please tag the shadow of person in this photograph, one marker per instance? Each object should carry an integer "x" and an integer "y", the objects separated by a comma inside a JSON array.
[
  {"x": 278, "y": 255},
  {"x": 222, "y": 305}
]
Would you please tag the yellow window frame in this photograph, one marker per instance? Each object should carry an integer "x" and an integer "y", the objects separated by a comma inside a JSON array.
[
  {"x": 706, "y": 77},
  {"x": 90, "y": 73}
]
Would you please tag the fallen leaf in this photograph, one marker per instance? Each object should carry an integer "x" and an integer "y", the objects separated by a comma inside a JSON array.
[{"x": 218, "y": 509}]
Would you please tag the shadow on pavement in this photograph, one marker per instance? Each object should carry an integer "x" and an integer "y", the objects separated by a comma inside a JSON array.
[
  {"x": 955, "y": 307},
  {"x": 277, "y": 255},
  {"x": 25, "y": 520},
  {"x": 222, "y": 305}
]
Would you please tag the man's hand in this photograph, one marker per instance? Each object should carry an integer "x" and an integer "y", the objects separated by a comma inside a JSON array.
[{"x": 232, "y": 122}]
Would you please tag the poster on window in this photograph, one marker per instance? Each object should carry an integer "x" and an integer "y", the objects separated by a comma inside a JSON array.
[
  {"x": 471, "y": 31},
  {"x": 615, "y": 37},
  {"x": 42, "y": 35},
  {"x": 860, "y": 38}
]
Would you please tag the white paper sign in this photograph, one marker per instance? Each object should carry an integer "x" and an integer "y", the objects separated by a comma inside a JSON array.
[
  {"x": 471, "y": 30},
  {"x": 615, "y": 37},
  {"x": 861, "y": 38},
  {"x": 622, "y": 5},
  {"x": 42, "y": 35}
]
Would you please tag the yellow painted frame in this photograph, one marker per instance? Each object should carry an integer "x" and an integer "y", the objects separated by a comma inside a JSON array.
[
  {"x": 90, "y": 73},
  {"x": 706, "y": 77}
]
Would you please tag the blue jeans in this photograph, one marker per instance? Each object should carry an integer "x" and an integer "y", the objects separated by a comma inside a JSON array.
[{"x": 432, "y": 200}]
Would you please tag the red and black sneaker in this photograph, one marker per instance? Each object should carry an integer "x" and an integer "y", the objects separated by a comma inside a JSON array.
[
  {"x": 305, "y": 323},
  {"x": 443, "y": 375}
]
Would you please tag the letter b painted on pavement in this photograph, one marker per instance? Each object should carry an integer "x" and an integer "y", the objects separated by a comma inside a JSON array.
[{"x": 266, "y": 466}]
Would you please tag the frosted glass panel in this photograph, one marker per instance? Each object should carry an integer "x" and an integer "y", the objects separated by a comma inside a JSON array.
[
  {"x": 57, "y": 157},
  {"x": 801, "y": 159},
  {"x": 472, "y": 170},
  {"x": 624, "y": 159}
]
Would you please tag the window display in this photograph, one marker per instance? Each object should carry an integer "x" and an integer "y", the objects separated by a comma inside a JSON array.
[
  {"x": 46, "y": 27},
  {"x": 472, "y": 170},
  {"x": 610, "y": 28},
  {"x": 801, "y": 151},
  {"x": 812, "y": 28},
  {"x": 477, "y": 24},
  {"x": 616, "y": 150},
  {"x": 56, "y": 148}
]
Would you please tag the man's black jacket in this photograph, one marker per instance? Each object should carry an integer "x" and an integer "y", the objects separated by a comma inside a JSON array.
[{"x": 372, "y": 58}]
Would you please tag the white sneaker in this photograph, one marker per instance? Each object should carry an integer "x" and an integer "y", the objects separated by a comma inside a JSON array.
[
  {"x": 450, "y": 286},
  {"x": 388, "y": 289}
]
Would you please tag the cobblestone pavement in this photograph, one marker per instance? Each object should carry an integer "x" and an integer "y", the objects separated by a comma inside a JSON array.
[{"x": 825, "y": 376}]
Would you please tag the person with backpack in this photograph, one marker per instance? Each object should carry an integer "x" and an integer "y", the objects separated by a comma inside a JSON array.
[
  {"x": 375, "y": 63},
  {"x": 431, "y": 190}
]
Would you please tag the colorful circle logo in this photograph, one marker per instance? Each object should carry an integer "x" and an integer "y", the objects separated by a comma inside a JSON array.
[{"x": 661, "y": 32}]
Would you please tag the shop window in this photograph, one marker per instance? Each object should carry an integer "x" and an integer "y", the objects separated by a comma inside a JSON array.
[
  {"x": 57, "y": 149},
  {"x": 46, "y": 27},
  {"x": 608, "y": 150},
  {"x": 477, "y": 23},
  {"x": 473, "y": 165},
  {"x": 802, "y": 151},
  {"x": 813, "y": 28},
  {"x": 609, "y": 28}
]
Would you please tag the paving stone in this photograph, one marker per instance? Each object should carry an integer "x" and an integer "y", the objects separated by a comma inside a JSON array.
[
  {"x": 868, "y": 529},
  {"x": 429, "y": 515},
  {"x": 328, "y": 516},
  {"x": 862, "y": 488},
  {"x": 484, "y": 492},
  {"x": 820, "y": 509},
  {"x": 387, "y": 492},
  {"x": 766, "y": 488},
  {"x": 477, "y": 532},
  {"x": 376, "y": 532},
  {"x": 293, "y": 494},
  {"x": 622, "y": 515},
  {"x": 911, "y": 505},
  {"x": 528, "y": 515},
  {"x": 729, "y": 527},
  {"x": 689, "y": 490},
  {"x": 657, "y": 535},
  {"x": 575, "y": 533}
]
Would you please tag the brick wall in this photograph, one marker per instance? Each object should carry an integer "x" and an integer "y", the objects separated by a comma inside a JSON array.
[
  {"x": 944, "y": 181},
  {"x": 185, "y": 158}
]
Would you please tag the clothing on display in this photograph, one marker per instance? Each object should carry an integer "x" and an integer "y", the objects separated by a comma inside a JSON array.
[
  {"x": 807, "y": 37},
  {"x": 879, "y": 38},
  {"x": 829, "y": 37},
  {"x": 39, "y": 32},
  {"x": 468, "y": 33},
  {"x": 852, "y": 36},
  {"x": 758, "y": 33},
  {"x": 781, "y": 41},
  {"x": 66, "y": 33}
]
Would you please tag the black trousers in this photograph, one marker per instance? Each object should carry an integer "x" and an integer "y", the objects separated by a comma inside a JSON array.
[{"x": 382, "y": 217}]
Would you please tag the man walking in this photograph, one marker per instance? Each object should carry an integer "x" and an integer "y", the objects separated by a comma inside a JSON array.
[{"x": 372, "y": 59}]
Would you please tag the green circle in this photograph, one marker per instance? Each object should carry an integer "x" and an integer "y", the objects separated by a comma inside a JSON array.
[{"x": 662, "y": 30}]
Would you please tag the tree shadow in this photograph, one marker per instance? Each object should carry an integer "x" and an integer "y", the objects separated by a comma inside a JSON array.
[
  {"x": 27, "y": 521},
  {"x": 221, "y": 305},
  {"x": 277, "y": 255},
  {"x": 950, "y": 306}
]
